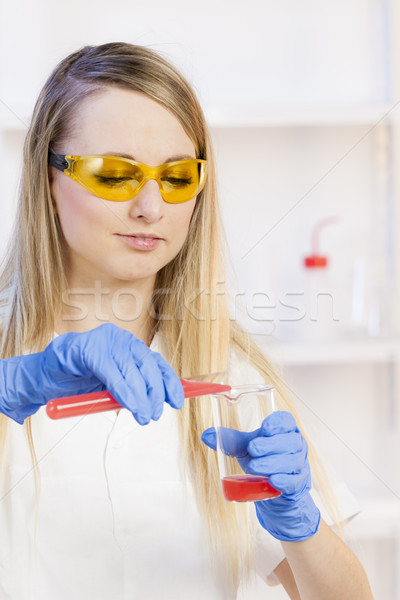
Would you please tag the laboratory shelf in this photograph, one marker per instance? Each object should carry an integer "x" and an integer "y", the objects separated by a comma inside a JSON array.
[
  {"x": 293, "y": 116},
  {"x": 332, "y": 352}
]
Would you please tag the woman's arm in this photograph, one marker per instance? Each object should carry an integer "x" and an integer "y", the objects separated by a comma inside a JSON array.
[
  {"x": 285, "y": 575},
  {"x": 322, "y": 567}
]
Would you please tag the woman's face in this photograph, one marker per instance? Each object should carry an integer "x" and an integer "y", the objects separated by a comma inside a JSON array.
[{"x": 129, "y": 123}]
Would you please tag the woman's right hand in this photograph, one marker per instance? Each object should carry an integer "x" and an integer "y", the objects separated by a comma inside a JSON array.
[{"x": 104, "y": 358}]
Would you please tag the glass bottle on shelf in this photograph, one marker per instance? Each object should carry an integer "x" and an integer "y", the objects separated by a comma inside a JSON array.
[{"x": 317, "y": 316}]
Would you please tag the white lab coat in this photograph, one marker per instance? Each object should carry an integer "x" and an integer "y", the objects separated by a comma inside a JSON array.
[{"x": 116, "y": 520}]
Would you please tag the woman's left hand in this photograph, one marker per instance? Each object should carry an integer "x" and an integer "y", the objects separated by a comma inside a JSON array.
[{"x": 279, "y": 451}]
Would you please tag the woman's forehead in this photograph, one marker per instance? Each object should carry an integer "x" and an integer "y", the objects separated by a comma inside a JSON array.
[{"x": 129, "y": 122}]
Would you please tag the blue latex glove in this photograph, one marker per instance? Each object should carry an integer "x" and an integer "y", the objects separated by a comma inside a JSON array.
[
  {"x": 278, "y": 450},
  {"x": 105, "y": 358}
]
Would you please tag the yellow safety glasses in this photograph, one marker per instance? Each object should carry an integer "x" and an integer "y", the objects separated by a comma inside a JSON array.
[{"x": 118, "y": 179}]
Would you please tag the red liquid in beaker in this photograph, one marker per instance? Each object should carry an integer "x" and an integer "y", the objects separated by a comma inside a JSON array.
[{"x": 242, "y": 488}]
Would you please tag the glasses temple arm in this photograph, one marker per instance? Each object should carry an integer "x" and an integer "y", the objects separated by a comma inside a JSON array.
[{"x": 58, "y": 161}]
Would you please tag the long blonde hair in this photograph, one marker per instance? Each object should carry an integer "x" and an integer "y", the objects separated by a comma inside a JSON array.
[{"x": 198, "y": 339}]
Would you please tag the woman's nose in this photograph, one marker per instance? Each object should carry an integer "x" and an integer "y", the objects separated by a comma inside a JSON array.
[{"x": 148, "y": 204}]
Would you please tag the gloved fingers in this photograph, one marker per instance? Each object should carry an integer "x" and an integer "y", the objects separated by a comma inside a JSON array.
[
  {"x": 146, "y": 380},
  {"x": 84, "y": 385},
  {"x": 293, "y": 483},
  {"x": 209, "y": 438},
  {"x": 149, "y": 378},
  {"x": 155, "y": 390},
  {"x": 154, "y": 386},
  {"x": 172, "y": 390},
  {"x": 279, "y": 421},
  {"x": 270, "y": 465},
  {"x": 163, "y": 384},
  {"x": 231, "y": 441},
  {"x": 174, "y": 395},
  {"x": 129, "y": 389},
  {"x": 281, "y": 443}
]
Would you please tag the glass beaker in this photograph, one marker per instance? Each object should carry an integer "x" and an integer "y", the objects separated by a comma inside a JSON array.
[{"x": 243, "y": 409}]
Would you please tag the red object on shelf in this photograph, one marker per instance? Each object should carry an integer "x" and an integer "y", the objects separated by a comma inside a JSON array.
[
  {"x": 94, "y": 402},
  {"x": 242, "y": 488},
  {"x": 315, "y": 261}
]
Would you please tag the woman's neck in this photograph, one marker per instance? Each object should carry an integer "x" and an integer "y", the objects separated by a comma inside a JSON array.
[
  {"x": 84, "y": 308},
  {"x": 143, "y": 331}
]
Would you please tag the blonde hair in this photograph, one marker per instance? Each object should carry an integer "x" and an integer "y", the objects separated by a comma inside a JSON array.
[{"x": 198, "y": 340}]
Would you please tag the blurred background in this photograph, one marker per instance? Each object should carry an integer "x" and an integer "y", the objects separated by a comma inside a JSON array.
[{"x": 303, "y": 102}]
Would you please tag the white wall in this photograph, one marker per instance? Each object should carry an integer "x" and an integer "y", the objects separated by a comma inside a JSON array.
[{"x": 262, "y": 52}]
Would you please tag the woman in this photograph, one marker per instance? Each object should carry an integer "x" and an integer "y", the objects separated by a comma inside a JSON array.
[{"x": 113, "y": 281}]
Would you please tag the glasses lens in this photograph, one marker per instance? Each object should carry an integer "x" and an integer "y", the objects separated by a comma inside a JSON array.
[
  {"x": 182, "y": 180},
  {"x": 109, "y": 178}
]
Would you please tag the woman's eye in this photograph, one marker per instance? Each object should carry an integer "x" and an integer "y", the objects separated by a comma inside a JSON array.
[
  {"x": 177, "y": 181},
  {"x": 112, "y": 181}
]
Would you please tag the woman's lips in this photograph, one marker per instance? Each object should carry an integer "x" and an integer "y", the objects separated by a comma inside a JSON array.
[{"x": 141, "y": 241}]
